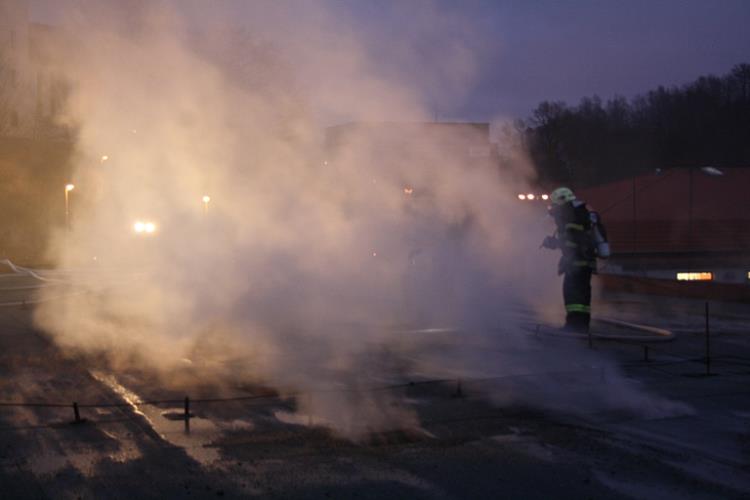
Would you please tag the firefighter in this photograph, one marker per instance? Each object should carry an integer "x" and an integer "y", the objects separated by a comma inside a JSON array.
[{"x": 573, "y": 236}]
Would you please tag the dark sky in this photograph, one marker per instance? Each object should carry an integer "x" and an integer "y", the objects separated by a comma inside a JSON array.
[
  {"x": 563, "y": 50},
  {"x": 529, "y": 51}
]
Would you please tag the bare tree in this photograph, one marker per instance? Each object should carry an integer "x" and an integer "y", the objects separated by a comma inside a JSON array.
[
  {"x": 740, "y": 75},
  {"x": 704, "y": 122}
]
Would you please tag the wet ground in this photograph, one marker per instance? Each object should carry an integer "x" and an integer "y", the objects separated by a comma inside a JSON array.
[{"x": 470, "y": 440}]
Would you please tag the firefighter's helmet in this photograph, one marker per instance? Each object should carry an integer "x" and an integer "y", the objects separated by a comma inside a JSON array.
[{"x": 562, "y": 195}]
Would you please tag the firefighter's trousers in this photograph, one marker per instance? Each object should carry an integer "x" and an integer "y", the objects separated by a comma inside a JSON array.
[{"x": 577, "y": 296}]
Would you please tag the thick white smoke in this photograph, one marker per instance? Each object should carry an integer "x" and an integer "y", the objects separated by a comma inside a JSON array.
[{"x": 311, "y": 261}]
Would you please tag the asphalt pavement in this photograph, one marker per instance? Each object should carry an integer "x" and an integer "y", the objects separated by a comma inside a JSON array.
[{"x": 473, "y": 437}]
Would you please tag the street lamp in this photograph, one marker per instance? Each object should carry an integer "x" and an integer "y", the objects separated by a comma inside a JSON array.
[
  {"x": 206, "y": 199},
  {"x": 712, "y": 171},
  {"x": 68, "y": 189}
]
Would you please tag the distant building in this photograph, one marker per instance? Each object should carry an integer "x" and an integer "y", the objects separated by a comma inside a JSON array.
[
  {"x": 678, "y": 224},
  {"x": 32, "y": 90}
]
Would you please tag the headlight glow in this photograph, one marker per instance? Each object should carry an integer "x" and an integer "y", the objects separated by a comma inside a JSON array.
[{"x": 144, "y": 227}]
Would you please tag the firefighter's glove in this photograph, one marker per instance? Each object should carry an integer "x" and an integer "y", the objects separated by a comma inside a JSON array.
[{"x": 551, "y": 243}]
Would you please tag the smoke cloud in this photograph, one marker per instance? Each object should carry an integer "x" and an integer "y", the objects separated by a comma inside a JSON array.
[{"x": 314, "y": 262}]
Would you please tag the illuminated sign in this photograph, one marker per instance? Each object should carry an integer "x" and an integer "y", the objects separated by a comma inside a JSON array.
[{"x": 701, "y": 276}]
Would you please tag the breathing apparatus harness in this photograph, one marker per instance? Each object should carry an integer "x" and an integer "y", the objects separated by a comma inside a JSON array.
[{"x": 595, "y": 232}]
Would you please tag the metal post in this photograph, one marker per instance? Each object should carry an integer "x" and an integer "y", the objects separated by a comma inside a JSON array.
[
  {"x": 76, "y": 413},
  {"x": 634, "y": 219},
  {"x": 187, "y": 414},
  {"x": 690, "y": 210},
  {"x": 708, "y": 344},
  {"x": 459, "y": 390},
  {"x": 67, "y": 210}
]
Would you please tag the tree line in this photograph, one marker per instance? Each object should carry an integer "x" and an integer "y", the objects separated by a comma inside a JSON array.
[{"x": 705, "y": 122}]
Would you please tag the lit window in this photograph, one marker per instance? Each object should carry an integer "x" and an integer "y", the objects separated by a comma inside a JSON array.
[{"x": 701, "y": 276}]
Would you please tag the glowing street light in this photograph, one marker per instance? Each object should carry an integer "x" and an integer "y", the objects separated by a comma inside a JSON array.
[
  {"x": 104, "y": 158},
  {"x": 206, "y": 199},
  {"x": 530, "y": 196},
  {"x": 68, "y": 189},
  {"x": 545, "y": 197},
  {"x": 521, "y": 197}
]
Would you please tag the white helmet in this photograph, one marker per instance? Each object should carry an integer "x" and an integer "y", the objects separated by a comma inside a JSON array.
[{"x": 562, "y": 195}]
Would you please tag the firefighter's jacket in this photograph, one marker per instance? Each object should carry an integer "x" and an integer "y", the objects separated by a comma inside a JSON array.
[{"x": 574, "y": 236}]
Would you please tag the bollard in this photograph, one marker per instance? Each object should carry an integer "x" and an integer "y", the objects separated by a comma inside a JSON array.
[
  {"x": 187, "y": 414},
  {"x": 76, "y": 413},
  {"x": 708, "y": 344},
  {"x": 459, "y": 390}
]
